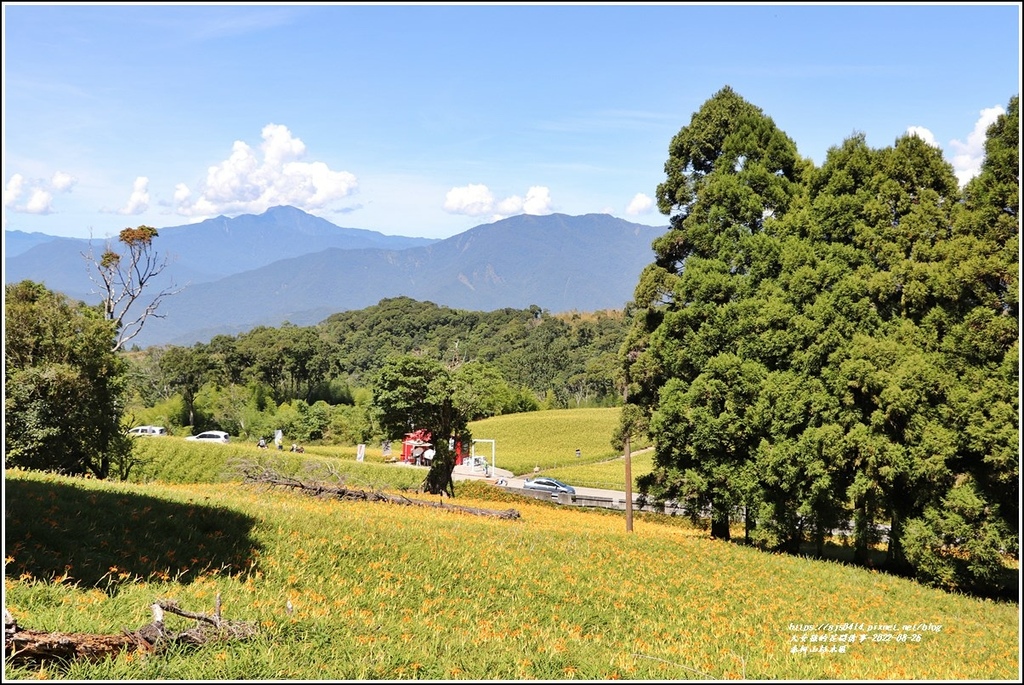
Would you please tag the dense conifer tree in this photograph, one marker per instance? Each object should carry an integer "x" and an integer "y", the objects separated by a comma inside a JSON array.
[{"x": 814, "y": 346}]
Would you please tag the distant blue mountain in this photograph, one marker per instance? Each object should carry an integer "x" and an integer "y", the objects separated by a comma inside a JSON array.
[
  {"x": 557, "y": 262},
  {"x": 197, "y": 253},
  {"x": 228, "y": 246},
  {"x": 16, "y": 242}
]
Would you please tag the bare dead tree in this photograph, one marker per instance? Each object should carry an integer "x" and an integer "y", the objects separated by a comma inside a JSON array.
[{"x": 122, "y": 281}]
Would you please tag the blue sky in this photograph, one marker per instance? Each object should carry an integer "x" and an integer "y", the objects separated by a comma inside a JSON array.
[{"x": 429, "y": 119}]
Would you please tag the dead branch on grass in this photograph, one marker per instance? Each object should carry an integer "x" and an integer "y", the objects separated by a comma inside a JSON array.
[
  {"x": 25, "y": 646},
  {"x": 263, "y": 475}
]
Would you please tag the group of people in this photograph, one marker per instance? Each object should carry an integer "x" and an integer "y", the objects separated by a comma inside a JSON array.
[
  {"x": 262, "y": 444},
  {"x": 423, "y": 457}
]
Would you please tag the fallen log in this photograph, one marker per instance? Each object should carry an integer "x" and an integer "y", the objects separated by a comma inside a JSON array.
[
  {"x": 26, "y": 646},
  {"x": 22, "y": 645},
  {"x": 265, "y": 476}
]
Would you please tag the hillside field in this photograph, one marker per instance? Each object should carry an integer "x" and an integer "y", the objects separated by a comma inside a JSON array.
[
  {"x": 356, "y": 590},
  {"x": 380, "y": 591}
]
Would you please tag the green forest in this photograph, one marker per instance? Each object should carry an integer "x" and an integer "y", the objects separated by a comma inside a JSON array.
[
  {"x": 812, "y": 348},
  {"x": 316, "y": 382}
]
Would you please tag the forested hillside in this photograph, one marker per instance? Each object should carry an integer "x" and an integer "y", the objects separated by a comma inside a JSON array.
[
  {"x": 315, "y": 380},
  {"x": 571, "y": 355}
]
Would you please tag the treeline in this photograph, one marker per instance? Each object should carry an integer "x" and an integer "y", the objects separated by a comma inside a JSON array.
[
  {"x": 817, "y": 347},
  {"x": 315, "y": 382}
]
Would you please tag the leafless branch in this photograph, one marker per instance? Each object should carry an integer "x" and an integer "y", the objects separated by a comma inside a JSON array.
[{"x": 122, "y": 285}]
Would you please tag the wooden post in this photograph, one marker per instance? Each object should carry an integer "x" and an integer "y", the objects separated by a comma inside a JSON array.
[
  {"x": 629, "y": 489},
  {"x": 629, "y": 468}
]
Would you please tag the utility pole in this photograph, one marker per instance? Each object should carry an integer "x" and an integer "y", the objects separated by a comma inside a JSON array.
[{"x": 629, "y": 470}]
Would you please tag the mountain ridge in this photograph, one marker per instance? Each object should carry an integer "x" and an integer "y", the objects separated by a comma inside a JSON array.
[{"x": 557, "y": 262}]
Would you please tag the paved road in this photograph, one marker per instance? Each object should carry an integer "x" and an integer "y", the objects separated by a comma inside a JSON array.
[{"x": 468, "y": 473}]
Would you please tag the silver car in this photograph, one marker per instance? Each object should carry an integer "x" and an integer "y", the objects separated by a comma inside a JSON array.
[{"x": 549, "y": 485}]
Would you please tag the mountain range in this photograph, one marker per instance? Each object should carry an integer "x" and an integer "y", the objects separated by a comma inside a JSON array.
[{"x": 288, "y": 266}]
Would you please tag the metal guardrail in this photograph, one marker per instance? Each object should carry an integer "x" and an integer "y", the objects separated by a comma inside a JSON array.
[{"x": 593, "y": 501}]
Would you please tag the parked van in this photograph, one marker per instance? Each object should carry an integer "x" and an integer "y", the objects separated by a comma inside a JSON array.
[{"x": 148, "y": 430}]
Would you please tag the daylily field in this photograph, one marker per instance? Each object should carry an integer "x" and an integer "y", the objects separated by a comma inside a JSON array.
[{"x": 344, "y": 590}]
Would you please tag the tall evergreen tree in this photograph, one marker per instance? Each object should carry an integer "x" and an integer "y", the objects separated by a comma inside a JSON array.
[
  {"x": 729, "y": 172},
  {"x": 961, "y": 532}
]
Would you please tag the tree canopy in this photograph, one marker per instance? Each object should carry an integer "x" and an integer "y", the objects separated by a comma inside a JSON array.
[
  {"x": 64, "y": 385},
  {"x": 417, "y": 393},
  {"x": 813, "y": 346}
]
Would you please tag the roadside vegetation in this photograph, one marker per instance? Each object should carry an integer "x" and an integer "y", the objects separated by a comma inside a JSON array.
[
  {"x": 607, "y": 475},
  {"x": 549, "y": 439}
]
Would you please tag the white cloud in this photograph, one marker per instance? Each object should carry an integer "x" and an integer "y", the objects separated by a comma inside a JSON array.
[
  {"x": 39, "y": 202},
  {"x": 243, "y": 183},
  {"x": 13, "y": 190},
  {"x": 640, "y": 204},
  {"x": 510, "y": 206},
  {"x": 924, "y": 134},
  {"x": 63, "y": 182},
  {"x": 538, "y": 201},
  {"x": 472, "y": 200},
  {"x": 181, "y": 193},
  {"x": 39, "y": 192},
  {"x": 969, "y": 156},
  {"x": 279, "y": 147},
  {"x": 476, "y": 200},
  {"x": 138, "y": 202}
]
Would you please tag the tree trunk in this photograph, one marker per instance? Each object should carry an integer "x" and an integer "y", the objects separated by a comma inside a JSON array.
[
  {"x": 895, "y": 559},
  {"x": 719, "y": 524},
  {"x": 439, "y": 479},
  {"x": 862, "y": 533},
  {"x": 749, "y": 524},
  {"x": 22, "y": 646},
  {"x": 258, "y": 474}
]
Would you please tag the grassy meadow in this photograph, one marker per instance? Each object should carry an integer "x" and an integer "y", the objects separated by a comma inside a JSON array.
[
  {"x": 610, "y": 475},
  {"x": 352, "y": 590},
  {"x": 544, "y": 439},
  {"x": 549, "y": 439}
]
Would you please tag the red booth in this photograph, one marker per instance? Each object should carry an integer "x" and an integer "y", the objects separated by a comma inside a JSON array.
[{"x": 418, "y": 441}]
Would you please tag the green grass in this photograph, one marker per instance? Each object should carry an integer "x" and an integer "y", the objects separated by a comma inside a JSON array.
[
  {"x": 389, "y": 592},
  {"x": 384, "y": 592},
  {"x": 609, "y": 475},
  {"x": 549, "y": 439},
  {"x": 176, "y": 460}
]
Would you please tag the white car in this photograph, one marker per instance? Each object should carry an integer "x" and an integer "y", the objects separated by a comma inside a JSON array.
[
  {"x": 211, "y": 436},
  {"x": 148, "y": 430}
]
